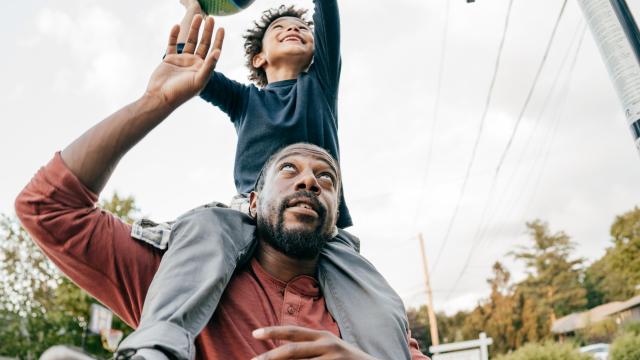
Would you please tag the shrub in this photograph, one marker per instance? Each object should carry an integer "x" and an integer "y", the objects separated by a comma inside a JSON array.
[
  {"x": 631, "y": 327},
  {"x": 548, "y": 351},
  {"x": 600, "y": 332},
  {"x": 626, "y": 347}
]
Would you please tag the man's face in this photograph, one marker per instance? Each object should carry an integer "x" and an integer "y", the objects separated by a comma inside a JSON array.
[
  {"x": 287, "y": 39},
  {"x": 296, "y": 209}
]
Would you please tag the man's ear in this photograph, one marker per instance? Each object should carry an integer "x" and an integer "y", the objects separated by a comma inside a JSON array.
[
  {"x": 258, "y": 61},
  {"x": 253, "y": 204}
]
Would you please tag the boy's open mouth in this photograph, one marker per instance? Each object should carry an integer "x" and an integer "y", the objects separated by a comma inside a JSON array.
[{"x": 293, "y": 38}]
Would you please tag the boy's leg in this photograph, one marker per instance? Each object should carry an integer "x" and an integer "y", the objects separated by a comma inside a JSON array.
[{"x": 205, "y": 246}]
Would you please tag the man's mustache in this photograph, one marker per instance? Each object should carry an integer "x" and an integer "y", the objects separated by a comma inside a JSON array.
[{"x": 307, "y": 195}]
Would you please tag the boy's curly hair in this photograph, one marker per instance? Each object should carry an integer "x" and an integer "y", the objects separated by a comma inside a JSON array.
[{"x": 253, "y": 37}]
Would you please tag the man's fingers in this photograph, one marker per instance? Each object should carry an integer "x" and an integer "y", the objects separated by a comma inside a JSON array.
[
  {"x": 295, "y": 350},
  {"x": 192, "y": 38},
  {"x": 204, "y": 73},
  {"x": 173, "y": 40},
  {"x": 205, "y": 40},
  {"x": 217, "y": 42},
  {"x": 289, "y": 332},
  {"x": 211, "y": 60}
]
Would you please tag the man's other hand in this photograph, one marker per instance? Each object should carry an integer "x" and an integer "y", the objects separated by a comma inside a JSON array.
[
  {"x": 306, "y": 343},
  {"x": 181, "y": 76}
]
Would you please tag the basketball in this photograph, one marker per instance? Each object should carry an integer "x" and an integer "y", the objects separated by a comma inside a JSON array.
[{"x": 224, "y": 7}]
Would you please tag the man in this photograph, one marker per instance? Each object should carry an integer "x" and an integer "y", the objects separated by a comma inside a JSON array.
[{"x": 286, "y": 302}]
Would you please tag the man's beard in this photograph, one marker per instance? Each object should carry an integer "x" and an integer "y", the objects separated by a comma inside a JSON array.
[{"x": 299, "y": 244}]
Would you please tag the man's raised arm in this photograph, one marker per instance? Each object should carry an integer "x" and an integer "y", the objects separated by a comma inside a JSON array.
[
  {"x": 93, "y": 156},
  {"x": 93, "y": 247}
]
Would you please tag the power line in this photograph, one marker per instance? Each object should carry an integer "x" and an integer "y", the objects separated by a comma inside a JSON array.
[
  {"x": 436, "y": 109},
  {"x": 547, "y": 101},
  {"x": 554, "y": 128},
  {"x": 494, "y": 180},
  {"x": 545, "y": 149},
  {"x": 533, "y": 87},
  {"x": 479, "y": 236},
  {"x": 546, "y": 155},
  {"x": 478, "y": 136}
]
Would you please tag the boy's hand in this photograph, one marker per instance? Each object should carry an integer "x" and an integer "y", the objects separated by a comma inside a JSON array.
[
  {"x": 306, "y": 343},
  {"x": 181, "y": 76},
  {"x": 192, "y": 5}
]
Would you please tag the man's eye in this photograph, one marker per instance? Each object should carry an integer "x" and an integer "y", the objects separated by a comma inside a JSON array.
[
  {"x": 287, "y": 168},
  {"x": 277, "y": 26},
  {"x": 326, "y": 177}
]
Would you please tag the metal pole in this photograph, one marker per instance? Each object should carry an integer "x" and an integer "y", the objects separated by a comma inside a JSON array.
[
  {"x": 616, "y": 34},
  {"x": 628, "y": 24},
  {"x": 433, "y": 324}
]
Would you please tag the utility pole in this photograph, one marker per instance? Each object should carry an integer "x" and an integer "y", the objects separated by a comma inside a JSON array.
[
  {"x": 618, "y": 39},
  {"x": 433, "y": 325}
]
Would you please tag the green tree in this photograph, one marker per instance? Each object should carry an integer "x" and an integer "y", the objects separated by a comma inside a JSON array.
[
  {"x": 516, "y": 314},
  {"x": 626, "y": 347},
  {"x": 548, "y": 351},
  {"x": 553, "y": 278},
  {"x": 495, "y": 316},
  {"x": 40, "y": 307},
  {"x": 616, "y": 275},
  {"x": 449, "y": 327}
]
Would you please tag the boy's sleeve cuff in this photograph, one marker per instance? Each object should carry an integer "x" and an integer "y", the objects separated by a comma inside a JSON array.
[{"x": 179, "y": 48}]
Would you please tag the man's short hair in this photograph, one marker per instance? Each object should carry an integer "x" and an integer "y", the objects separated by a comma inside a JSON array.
[
  {"x": 253, "y": 37},
  {"x": 272, "y": 159}
]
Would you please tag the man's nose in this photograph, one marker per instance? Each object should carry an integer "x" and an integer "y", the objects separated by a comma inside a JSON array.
[
  {"x": 293, "y": 27},
  {"x": 308, "y": 182}
]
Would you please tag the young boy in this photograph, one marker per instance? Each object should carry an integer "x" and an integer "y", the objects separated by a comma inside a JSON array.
[{"x": 296, "y": 70}]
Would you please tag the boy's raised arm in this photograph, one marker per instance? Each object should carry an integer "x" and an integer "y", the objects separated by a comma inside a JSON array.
[
  {"x": 327, "y": 60},
  {"x": 192, "y": 8},
  {"x": 220, "y": 91}
]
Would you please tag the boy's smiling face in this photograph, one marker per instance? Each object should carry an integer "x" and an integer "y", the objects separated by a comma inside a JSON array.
[{"x": 288, "y": 41}]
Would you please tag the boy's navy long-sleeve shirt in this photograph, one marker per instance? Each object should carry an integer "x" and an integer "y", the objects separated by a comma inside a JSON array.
[{"x": 289, "y": 111}]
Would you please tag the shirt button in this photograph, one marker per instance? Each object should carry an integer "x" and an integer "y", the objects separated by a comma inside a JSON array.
[{"x": 291, "y": 310}]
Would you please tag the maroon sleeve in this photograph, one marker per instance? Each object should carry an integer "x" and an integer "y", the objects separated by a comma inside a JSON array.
[{"x": 91, "y": 246}]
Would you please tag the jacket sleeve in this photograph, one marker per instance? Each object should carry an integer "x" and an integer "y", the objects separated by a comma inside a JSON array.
[
  {"x": 92, "y": 247},
  {"x": 327, "y": 61}
]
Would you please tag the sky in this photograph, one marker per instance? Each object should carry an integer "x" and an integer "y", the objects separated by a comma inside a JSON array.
[{"x": 415, "y": 82}]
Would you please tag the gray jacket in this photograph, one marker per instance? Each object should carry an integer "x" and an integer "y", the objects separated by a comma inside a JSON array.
[{"x": 203, "y": 249}]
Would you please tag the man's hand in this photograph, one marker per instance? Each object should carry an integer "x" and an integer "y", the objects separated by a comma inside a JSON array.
[
  {"x": 182, "y": 76},
  {"x": 306, "y": 344},
  {"x": 93, "y": 156}
]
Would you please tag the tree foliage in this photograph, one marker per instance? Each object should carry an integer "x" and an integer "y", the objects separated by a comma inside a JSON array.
[
  {"x": 626, "y": 347},
  {"x": 616, "y": 276},
  {"x": 515, "y": 314},
  {"x": 547, "y": 351},
  {"x": 40, "y": 307},
  {"x": 449, "y": 327},
  {"x": 553, "y": 277}
]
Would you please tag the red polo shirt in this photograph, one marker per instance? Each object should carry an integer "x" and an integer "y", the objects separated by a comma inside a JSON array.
[{"x": 95, "y": 249}]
